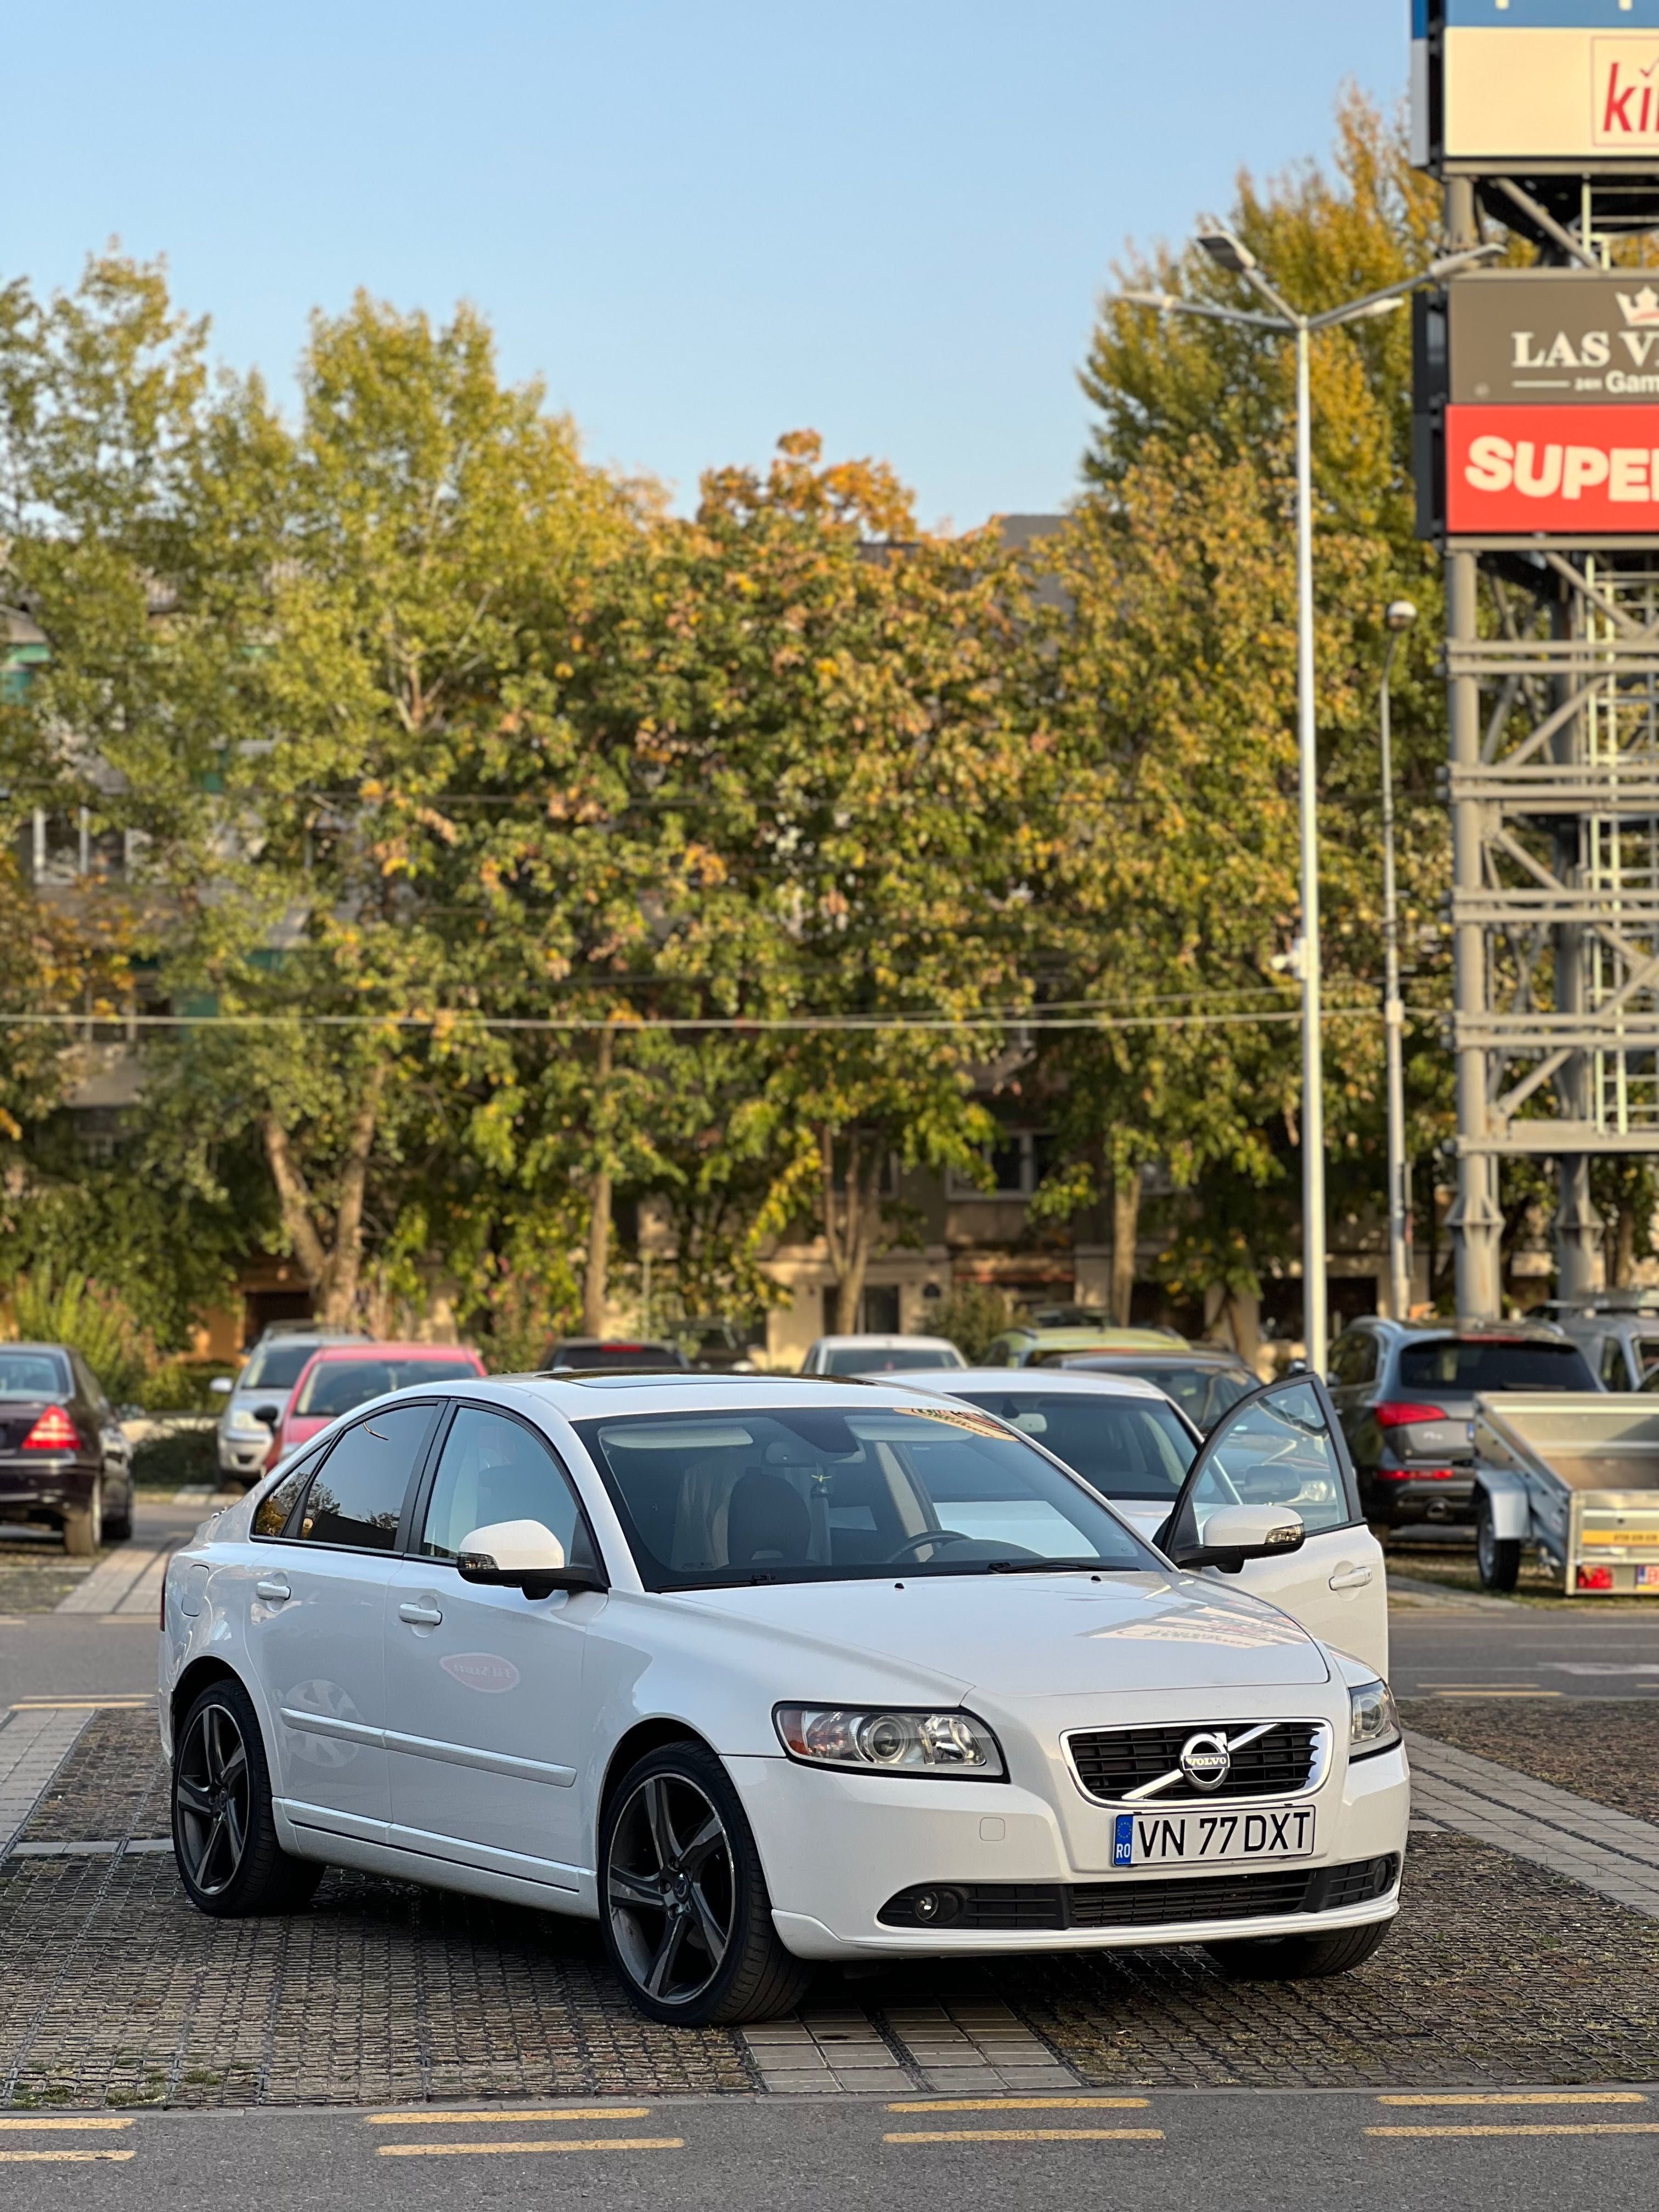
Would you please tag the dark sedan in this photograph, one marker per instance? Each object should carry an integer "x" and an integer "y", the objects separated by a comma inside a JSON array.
[{"x": 64, "y": 1463}]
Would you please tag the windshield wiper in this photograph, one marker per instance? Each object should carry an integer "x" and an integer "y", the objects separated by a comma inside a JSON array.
[{"x": 1044, "y": 1566}]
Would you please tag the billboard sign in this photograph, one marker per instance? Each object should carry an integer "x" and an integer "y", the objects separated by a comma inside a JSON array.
[
  {"x": 1558, "y": 471},
  {"x": 1549, "y": 381},
  {"x": 1567, "y": 337},
  {"x": 1569, "y": 83}
]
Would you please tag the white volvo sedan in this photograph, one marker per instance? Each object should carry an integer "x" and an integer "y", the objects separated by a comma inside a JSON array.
[{"x": 760, "y": 1672}]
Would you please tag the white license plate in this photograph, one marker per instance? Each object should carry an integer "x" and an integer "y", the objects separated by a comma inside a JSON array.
[{"x": 1206, "y": 1839}]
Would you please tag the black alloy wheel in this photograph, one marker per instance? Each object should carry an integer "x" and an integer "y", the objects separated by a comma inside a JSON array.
[
  {"x": 224, "y": 1832},
  {"x": 685, "y": 1912},
  {"x": 210, "y": 1786}
]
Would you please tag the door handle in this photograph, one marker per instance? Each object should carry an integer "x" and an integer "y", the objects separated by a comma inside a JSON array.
[
  {"x": 278, "y": 1593},
  {"x": 420, "y": 1616},
  {"x": 1349, "y": 1578}
]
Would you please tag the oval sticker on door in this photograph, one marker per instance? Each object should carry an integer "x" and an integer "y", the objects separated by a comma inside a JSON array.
[{"x": 485, "y": 1671}]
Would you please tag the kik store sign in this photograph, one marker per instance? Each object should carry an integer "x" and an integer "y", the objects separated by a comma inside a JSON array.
[
  {"x": 1553, "y": 420},
  {"x": 1550, "y": 81}
]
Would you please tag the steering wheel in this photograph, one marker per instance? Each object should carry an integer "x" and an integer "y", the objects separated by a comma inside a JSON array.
[{"x": 912, "y": 1544}]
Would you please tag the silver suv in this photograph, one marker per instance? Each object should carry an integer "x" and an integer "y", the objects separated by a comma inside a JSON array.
[
  {"x": 1616, "y": 1331},
  {"x": 254, "y": 1401},
  {"x": 1405, "y": 1395}
]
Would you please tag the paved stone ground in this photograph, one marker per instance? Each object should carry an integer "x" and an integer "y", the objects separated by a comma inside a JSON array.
[
  {"x": 113, "y": 1991},
  {"x": 35, "y": 1575},
  {"x": 1604, "y": 1748}
]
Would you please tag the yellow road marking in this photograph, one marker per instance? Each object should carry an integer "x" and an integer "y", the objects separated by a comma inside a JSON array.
[
  {"x": 1535, "y": 2128},
  {"x": 1027, "y": 2134},
  {"x": 1519, "y": 2097},
  {"x": 445, "y": 2119},
  {"x": 78, "y": 1704},
  {"x": 1024, "y": 2105},
  {"x": 563, "y": 2142},
  {"x": 91, "y": 2122},
  {"x": 62, "y": 2157}
]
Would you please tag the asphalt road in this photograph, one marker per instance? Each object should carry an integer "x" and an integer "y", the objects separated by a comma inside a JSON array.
[
  {"x": 81, "y": 1656},
  {"x": 1503, "y": 1647},
  {"x": 1273, "y": 2151}
]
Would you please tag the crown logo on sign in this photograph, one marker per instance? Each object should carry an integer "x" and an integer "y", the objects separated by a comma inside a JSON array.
[{"x": 1642, "y": 307}]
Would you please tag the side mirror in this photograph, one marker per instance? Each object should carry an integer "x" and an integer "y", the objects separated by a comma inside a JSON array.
[
  {"x": 1234, "y": 1534},
  {"x": 269, "y": 1414},
  {"x": 522, "y": 1555},
  {"x": 222, "y": 1386}
]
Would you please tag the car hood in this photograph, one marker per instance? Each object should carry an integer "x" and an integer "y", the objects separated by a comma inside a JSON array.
[{"x": 1042, "y": 1635}]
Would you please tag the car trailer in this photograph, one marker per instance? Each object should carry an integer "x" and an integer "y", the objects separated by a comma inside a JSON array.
[{"x": 1575, "y": 1477}]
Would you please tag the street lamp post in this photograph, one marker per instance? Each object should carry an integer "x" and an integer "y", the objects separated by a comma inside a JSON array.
[
  {"x": 1399, "y": 618},
  {"x": 1230, "y": 252}
]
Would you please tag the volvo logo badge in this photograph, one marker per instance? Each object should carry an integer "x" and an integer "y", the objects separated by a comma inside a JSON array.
[{"x": 1206, "y": 1761}]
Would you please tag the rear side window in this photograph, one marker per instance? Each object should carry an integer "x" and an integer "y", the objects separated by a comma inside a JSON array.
[
  {"x": 32, "y": 1375},
  {"x": 271, "y": 1516},
  {"x": 357, "y": 1498},
  {"x": 1453, "y": 1363}
]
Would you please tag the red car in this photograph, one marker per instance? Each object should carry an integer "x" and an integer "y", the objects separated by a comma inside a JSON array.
[{"x": 339, "y": 1376}]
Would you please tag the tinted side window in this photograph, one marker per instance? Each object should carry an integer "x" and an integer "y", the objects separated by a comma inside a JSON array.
[
  {"x": 270, "y": 1517},
  {"x": 492, "y": 1469},
  {"x": 357, "y": 1498},
  {"x": 1353, "y": 1358},
  {"x": 1613, "y": 1364}
]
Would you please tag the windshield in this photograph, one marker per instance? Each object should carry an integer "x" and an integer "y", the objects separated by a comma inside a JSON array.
[
  {"x": 1453, "y": 1363},
  {"x": 32, "y": 1375},
  {"x": 1126, "y": 1447},
  {"x": 812, "y": 1493},
  {"x": 277, "y": 1366},
  {"x": 337, "y": 1385},
  {"x": 888, "y": 1359},
  {"x": 1203, "y": 1393}
]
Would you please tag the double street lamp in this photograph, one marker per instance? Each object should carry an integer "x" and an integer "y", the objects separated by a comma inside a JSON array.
[{"x": 1230, "y": 252}]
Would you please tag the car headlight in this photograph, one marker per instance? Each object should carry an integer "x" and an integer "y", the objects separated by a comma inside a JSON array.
[
  {"x": 1373, "y": 1723},
  {"x": 242, "y": 1424},
  {"x": 890, "y": 1740}
]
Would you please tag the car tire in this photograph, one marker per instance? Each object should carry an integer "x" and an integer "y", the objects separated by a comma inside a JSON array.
[
  {"x": 683, "y": 1909},
  {"x": 1497, "y": 1558},
  {"x": 1298, "y": 1958},
  {"x": 224, "y": 1832},
  {"x": 83, "y": 1526},
  {"x": 117, "y": 1527}
]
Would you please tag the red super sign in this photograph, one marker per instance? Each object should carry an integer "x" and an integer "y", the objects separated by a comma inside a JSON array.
[{"x": 1572, "y": 471}]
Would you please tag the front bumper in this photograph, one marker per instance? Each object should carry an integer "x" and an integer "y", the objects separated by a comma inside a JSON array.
[
  {"x": 243, "y": 1456},
  {"x": 838, "y": 1848}
]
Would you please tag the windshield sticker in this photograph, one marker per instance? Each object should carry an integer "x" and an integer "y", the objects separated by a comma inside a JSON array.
[{"x": 957, "y": 1416}]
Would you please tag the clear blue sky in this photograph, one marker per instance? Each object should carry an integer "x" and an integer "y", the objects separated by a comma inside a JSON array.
[{"x": 703, "y": 222}]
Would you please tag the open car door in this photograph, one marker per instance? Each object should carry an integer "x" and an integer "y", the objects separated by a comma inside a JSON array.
[{"x": 1283, "y": 1446}]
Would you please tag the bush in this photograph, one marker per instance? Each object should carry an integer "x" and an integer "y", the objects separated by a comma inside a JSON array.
[
  {"x": 96, "y": 1323},
  {"x": 181, "y": 1386},
  {"x": 970, "y": 1316},
  {"x": 177, "y": 1459}
]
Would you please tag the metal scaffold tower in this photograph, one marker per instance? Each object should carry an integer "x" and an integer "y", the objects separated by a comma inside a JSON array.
[{"x": 1552, "y": 670}]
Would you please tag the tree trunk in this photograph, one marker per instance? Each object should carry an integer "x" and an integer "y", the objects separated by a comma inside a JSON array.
[
  {"x": 849, "y": 1235},
  {"x": 595, "y": 1284},
  {"x": 1126, "y": 1222},
  {"x": 1621, "y": 1271},
  {"x": 329, "y": 1249}
]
